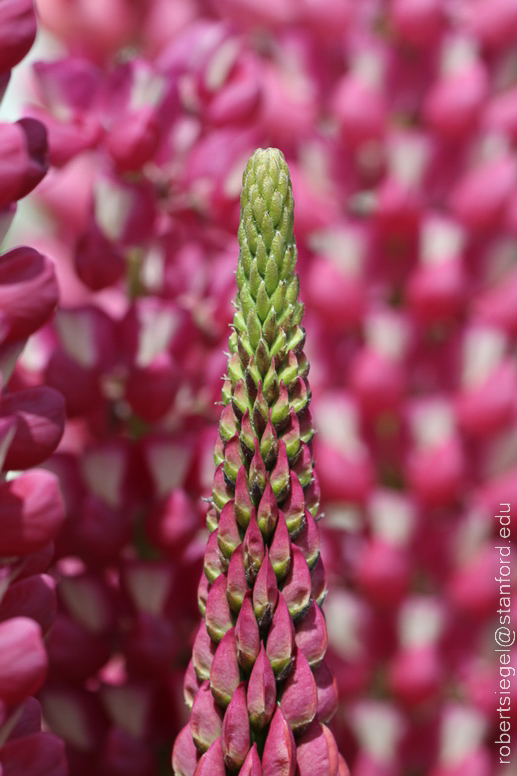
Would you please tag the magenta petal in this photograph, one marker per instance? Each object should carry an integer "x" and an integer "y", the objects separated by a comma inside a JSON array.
[
  {"x": 40, "y": 754},
  {"x": 225, "y": 674},
  {"x": 280, "y": 550},
  {"x": 311, "y": 635},
  {"x": 297, "y": 587},
  {"x": 279, "y": 757},
  {"x": 31, "y": 512},
  {"x": 212, "y": 763},
  {"x": 203, "y": 653},
  {"x": 237, "y": 584},
  {"x": 37, "y": 154},
  {"x": 342, "y": 767},
  {"x": 28, "y": 292},
  {"x": 247, "y": 634},
  {"x": 280, "y": 639},
  {"x": 326, "y": 686},
  {"x": 33, "y": 597},
  {"x": 23, "y": 659},
  {"x": 261, "y": 696},
  {"x": 317, "y": 752},
  {"x": 252, "y": 765},
  {"x": 206, "y": 718},
  {"x": 23, "y": 158},
  {"x": 184, "y": 755},
  {"x": 299, "y": 697},
  {"x": 236, "y": 730},
  {"x": 265, "y": 593},
  {"x": 40, "y": 420},
  {"x": 218, "y": 615},
  {"x": 17, "y": 31}
]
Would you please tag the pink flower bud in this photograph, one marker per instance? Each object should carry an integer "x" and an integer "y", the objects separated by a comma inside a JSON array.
[
  {"x": 212, "y": 762},
  {"x": 326, "y": 687},
  {"x": 243, "y": 504},
  {"x": 297, "y": 586},
  {"x": 228, "y": 536},
  {"x": 299, "y": 699},
  {"x": 318, "y": 582},
  {"x": 23, "y": 158},
  {"x": 261, "y": 695},
  {"x": 252, "y": 765},
  {"x": 23, "y": 660},
  {"x": 17, "y": 32},
  {"x": 267, "y": 512},
  {"x": 257, "y": 475},
  {"x": 247, "y": 634},
  {"x": 33, "y": 597},
  {"x": 237, "y": 584},
  {"x": 311, "y": 635},
  {"x": 206, "y": 719},
  {"x": 40, "y": 419},
  {"x": 31, "y": 512},
  {"x": 253, "y": 548},
  {"x": 309, "y": 540},
  {"x": 218, "y": 614},
  {"x": 225, "y": 673},
  {"x": 28, "y": 292},
  {"x": 213, "y": 564},
  {"x": 184, "y": 754},
  {"x": 265, "y": 593},
  {"x": 279, "y": 757},
  {"x": 280, "y": 639},
  {"x": 280, "y": 550},
  {"x": 294, "y": 507},
  {"x": 316, "y": 752},
  {"x": 236, "y": 730},
  {"x": 203, "y": 653},
  {"x": 191, "y": 684}
]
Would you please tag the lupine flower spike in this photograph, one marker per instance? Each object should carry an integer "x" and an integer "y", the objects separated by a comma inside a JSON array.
[{"x": 259, "y": 689}]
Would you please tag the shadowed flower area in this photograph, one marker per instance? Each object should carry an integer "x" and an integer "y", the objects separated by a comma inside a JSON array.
[{"x": 398, "y": 122}]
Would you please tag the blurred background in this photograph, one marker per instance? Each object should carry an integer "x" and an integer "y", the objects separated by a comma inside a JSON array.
[{"x": 398, "y": 119}]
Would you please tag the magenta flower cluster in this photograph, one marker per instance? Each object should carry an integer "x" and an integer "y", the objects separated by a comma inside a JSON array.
[
  {"x": 32, "y": 419},
  {"x": 398, "y": 120}
]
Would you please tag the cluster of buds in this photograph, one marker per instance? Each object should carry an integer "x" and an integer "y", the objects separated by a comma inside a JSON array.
[
  {"x": 32, "y": 419},
  {"x": 258, "y": 686},
  {"x": 398, "y": 122}
]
